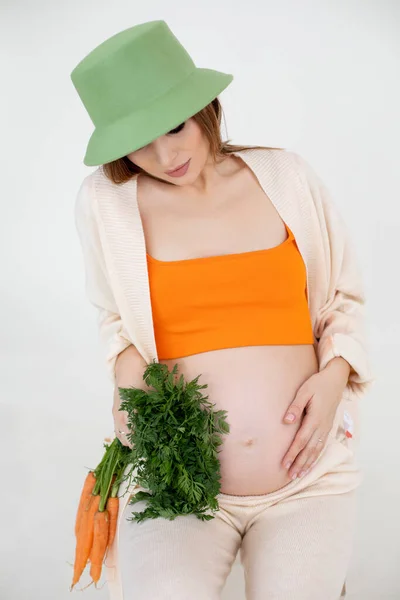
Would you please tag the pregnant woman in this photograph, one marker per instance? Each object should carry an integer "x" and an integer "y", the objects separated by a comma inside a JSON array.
[{"x": 233, "y": 262}]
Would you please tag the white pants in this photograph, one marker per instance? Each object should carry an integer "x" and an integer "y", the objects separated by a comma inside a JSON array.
[{"x": 295, "y": 543}]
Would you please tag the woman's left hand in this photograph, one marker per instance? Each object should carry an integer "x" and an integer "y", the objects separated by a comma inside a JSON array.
[{"x": 319, "y": 396}]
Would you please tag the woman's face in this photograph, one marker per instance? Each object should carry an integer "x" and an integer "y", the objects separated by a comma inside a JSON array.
[{"x": 184, "y": 143}]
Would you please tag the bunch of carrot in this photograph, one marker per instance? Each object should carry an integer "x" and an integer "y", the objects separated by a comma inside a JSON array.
[{"x": 96, "y": 518}]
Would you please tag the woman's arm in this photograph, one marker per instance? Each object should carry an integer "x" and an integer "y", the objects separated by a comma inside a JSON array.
[
  {"x": 129, "y": 369},
  {"x": 340, "y": 321},
  {"x": 111, "y": 329}
]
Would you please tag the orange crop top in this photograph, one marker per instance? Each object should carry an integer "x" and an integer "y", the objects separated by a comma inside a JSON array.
[{"x": 247, "y": 299}]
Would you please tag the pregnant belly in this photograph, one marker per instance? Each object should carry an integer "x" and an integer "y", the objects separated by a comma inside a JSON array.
[{"x": 255, "y": 385}]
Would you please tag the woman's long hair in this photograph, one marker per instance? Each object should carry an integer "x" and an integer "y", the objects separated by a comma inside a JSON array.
[{"x": 209, "y": 119}]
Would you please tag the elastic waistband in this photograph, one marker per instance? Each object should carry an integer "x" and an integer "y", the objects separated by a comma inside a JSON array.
[
  {"x": 259, "y": 497},
  {"x": 333, "y": 455}
]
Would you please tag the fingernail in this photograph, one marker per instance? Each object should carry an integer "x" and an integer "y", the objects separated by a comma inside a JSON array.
[
  {"x": 287, "y": 466},
  {"x": 302, "y": 473},
  {"x": 290, "y": 417},
  {"x": 294, "y": 475}
]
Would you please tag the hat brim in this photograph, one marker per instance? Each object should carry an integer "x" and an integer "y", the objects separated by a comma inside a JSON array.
[{"x": 157, "y": 118}]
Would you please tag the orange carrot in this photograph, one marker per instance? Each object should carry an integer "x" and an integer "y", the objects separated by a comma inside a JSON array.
[
  {"x": 100, "y": 540},
  {"x": 112, "y": 507},
  {"x": 87, "y": 489},
  {"x": 85, "y": 537}
]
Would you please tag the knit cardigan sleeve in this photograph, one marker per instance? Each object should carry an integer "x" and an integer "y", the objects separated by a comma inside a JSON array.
[
  {"x": 340, "y": 321},
  {"x": 112, "y": 332}
]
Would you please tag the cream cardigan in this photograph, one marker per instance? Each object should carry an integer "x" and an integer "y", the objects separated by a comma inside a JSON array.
[{"x": 114, "y": 252}]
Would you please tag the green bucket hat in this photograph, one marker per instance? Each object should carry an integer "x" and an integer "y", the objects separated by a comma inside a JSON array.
[{"x": 137, "y": 85}]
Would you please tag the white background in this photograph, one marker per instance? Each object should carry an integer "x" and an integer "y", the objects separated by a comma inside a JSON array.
[{"x": 320, "y": 78}]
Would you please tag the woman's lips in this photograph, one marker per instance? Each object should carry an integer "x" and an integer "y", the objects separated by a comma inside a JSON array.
[{"x": 180, "y": 171}]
